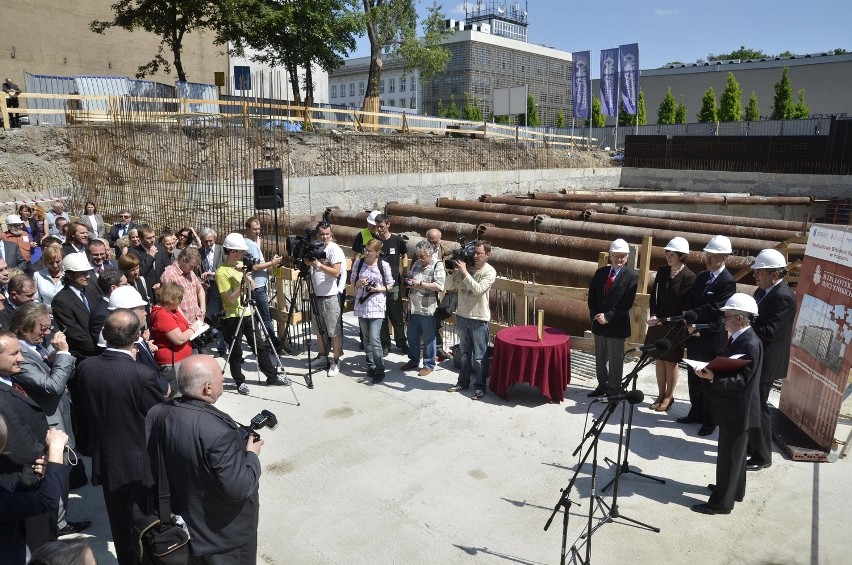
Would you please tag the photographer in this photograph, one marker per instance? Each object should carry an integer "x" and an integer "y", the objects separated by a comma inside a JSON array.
[
  {"x": 372, "y": 278},
  {"x": 325, "y": 279},
  {"x": 234, "y": 282},
  {"x": 213, "y": 471},
  {"x": 472, "y": 315},
  {"x": 424, "y": 282}
]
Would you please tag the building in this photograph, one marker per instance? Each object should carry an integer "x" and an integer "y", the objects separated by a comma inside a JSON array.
[
  {"x": 489, "y": 51},
  {"x": 272, "y": 83}
]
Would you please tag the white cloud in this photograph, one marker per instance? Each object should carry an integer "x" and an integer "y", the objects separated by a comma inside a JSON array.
[{"x": 664, "y": 13}]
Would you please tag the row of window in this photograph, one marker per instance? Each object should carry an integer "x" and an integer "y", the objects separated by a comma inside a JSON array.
[{"x": 404, "y": 85}]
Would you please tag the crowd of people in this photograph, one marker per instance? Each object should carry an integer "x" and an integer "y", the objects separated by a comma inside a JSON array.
[{"x": 97, "y": 325}]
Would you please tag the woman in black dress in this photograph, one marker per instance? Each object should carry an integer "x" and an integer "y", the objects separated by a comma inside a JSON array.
[{"x": 673, "y": 282}]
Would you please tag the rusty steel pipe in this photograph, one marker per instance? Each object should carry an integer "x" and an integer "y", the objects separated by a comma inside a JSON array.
[
  {"x": 618, "y": 219},
  {"x": 741, "y": 246},
  {"x": 648, "y": 213},
  {"x": 650, "y": 197},
  {"x": 448, "y": 215},
  {"x": 449, "y": 230}
]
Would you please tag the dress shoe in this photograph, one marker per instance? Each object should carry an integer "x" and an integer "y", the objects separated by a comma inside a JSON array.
[
  {"x": 709, "y": 509},
  {"x": 706, "y": 430},
  {"x": 409, "y": 366},
  {"x": 712, "y": 488},
  {"x": 750, "y": 466},
  {"x": 424, "y": 372},
  {"x": 687, "y": 420},
  {"x": 74, "y": 527},
  {"x": 599, "y": 391}
]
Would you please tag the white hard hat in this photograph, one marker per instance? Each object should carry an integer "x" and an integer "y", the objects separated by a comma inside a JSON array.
[
  {"x": 742, "y": 302},
  {"x": 125, "y": 297},
  {"x": 235, "y": 241},
  {"x": 678, "y": 245},
  {"x": 719, "y": 244},
  {"x": 371, "y": 218},
  {"x": 76, "y": 262},
  {"x": 769, "y": 259},
  {"x": 619, "y": 246},
  {"x": 13, "y": 219}
]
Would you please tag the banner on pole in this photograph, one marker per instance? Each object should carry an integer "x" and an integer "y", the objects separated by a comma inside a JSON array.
[
  {"x": 581, "y": 93},
  {"x": 609, "y": 81},
  {"x": 629, "y": 61}
]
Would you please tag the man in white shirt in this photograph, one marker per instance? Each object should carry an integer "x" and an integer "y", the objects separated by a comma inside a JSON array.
[{"x": 325, "y": 279}]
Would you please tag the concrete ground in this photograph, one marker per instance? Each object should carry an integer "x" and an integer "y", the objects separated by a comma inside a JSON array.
[{"x": 406, "y": 472}]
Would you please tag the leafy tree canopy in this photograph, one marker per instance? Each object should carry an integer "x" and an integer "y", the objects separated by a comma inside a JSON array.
[{"x": 742, "y": 53}]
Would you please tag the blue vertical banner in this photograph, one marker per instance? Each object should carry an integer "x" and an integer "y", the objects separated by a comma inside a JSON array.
[
  {"x": 629, "y": 62},
  {"x": 581, "y": 93},
  {"x": 609, "y": 81}
]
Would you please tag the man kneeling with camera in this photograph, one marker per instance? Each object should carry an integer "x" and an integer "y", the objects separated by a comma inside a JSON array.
[{"x": 212, "y": 465}]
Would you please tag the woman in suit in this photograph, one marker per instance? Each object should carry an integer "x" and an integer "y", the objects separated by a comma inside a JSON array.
[
  {"x": 94, "y": 221},
  {"x": 674, "y": 281}
]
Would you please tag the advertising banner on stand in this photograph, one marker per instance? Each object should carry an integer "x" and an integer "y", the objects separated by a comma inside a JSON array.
[
  {"x": 629, "y": 62},
  {"x": 609, "y": 82},
  {"x": 581, "y": 93},
  {"x": 820, "y": 356}
]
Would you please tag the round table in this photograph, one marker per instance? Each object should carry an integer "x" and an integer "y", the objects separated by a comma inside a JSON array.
[{"x": 520, "y": 358}]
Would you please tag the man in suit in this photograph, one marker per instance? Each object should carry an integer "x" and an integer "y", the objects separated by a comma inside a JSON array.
[
  {"x": 21, "y": 290},
  {"x": 709, "y": 292},
  {"x": 73, "y": 303},
  {"x": 109, "y": 280},
  {"x": 611, "y": 295},
  {"x": 211, "y": 259},
  {"x": 734, "y": 402},
  {"x": 98, "y": 256},
  {"x": 153, "y": 257},
  {"x": 11, "y": 253},
  {"x": 776, "y": 308},
  {"x": 213, "y": 469},
  {"x": 78, "y": 238},
  {"x": 119, "y": 229},
  {"x": 116, "y": 393}
]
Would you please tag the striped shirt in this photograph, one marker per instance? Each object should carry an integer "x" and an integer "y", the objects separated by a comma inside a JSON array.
[{"x": 373, "y": 307}]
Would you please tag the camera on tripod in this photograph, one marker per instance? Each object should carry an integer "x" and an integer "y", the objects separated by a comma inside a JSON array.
[
  {"x": 303, "y": 250},
  {"x": 463, "y": 254},
  {"x": 368, "y": 289},
  {"x": 265, "y": 419}
]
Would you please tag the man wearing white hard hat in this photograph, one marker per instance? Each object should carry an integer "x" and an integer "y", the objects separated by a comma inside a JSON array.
[
  {"x": 128, "y": 297},
  {"x": 734, "y": 403},
  {"x": 776, "y": 308},
  {"x": 611, "y": 295},
  {"x": 72, "y": 305},
  {"x": 711, "y": 290},
  {"x": 16, "y": 234}
]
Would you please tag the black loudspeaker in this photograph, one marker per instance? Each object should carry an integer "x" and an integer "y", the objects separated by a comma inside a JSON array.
[{"x": 267, "y": 189}]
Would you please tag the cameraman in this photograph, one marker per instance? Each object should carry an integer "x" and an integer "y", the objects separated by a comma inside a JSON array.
[
  {"x": 213, "y": 471},
  {"x": 325, "y": 279},
  {"x": 260, "y": 294},
  {"x": 233, "y": 282},
  {"x": 473, "y": 315}
]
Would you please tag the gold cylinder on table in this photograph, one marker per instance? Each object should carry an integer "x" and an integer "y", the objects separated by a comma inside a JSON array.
[{"x": 540, "y": 324}]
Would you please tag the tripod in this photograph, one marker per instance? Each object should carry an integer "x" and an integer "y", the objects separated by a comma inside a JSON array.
[
  {"x": 303, "y": 297},
  {"x": 594, "y": 500}
]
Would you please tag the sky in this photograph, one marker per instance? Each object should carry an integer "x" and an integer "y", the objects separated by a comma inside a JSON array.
[{"x": 685, "y": 30}]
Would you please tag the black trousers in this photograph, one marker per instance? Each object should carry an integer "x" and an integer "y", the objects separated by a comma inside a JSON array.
[
  {"x": 235, "y": 361},
  {"x": 730, "y": 468},
  {"x": 760, "y": 439},
  {"x": 698, "y": 391},
  {"x": 119, "y": 506},
  {"x": 394, "y": 313},
  {"x": 243, "y": 555}
]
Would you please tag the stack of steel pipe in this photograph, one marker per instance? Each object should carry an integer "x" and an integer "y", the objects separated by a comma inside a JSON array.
[{"x": 651, "y": 197}]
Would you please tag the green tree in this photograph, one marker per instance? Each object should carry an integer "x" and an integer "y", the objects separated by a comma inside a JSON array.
[
  {"x": 786, "y": 54},
  {"x": 441, "y": 110},
  {"x": 170, "y": 20},
  {"x": 666, "y": 111},
  {"x": 680, "y": 112},
  {"x": 730, "y": 106},
  {"x": 471, "y": 108},
  {"x": 708, "y": 113},
  {"x": 598, "y": 119},
  {"x": 742, "y": 53},
  {"x": 839, "y": 51},
  {"x": 782, "y": 106},
  {"x": 560, "y": 119},
  {"x": 801, "y": 110},
  {"x": 532, "y": 113},
  {"x": 641, "y": 112},
  {"x": 453, "y": 110},
  {"x": 752, "y": 112},
  {"x": 625, "y": 119},
  {"x": 426, "y": 54}
]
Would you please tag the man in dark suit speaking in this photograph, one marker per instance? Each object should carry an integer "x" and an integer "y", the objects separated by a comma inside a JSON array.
[
  {"x": 611, "y": 295},
  {"x": 213, "y": 469}
]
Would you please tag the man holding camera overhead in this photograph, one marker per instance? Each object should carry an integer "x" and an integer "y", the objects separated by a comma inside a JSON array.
[{"x": 213, "y": 470}]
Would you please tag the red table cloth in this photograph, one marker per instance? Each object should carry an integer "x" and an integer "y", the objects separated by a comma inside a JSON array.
[{"x": 520, "y": 358}]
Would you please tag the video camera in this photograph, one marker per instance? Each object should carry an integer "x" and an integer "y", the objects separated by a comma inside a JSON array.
[
  {"x": 265, "y": 419},
  {"x": 464, "y": 254},
  {"x": 303, "y": 250},
  {"x": 249, "y": 260}
]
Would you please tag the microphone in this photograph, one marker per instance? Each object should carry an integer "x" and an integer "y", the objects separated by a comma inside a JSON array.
[
  {"x": 700, "y": 326},
  {"x": 659, "y": 345},
  {"x": 632, "y": 397},
  {"x": 688, "y": 316}
]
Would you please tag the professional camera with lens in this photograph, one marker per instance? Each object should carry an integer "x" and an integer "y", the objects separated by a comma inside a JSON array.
[
  {"x": 368, "y": 289},
  {"x": 265, "y": 419},
  {"x": 249, "y": 260},
  {"x": 303, "y": 250},
  {"x": 463, "y": 254}
]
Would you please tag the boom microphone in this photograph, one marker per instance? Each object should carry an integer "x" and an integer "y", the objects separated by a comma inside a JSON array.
[
  {"x": 688, "y": 316},
  {"x": 632, "y": 397},
  {"x": 659, "y": 345},
  {"x": 700, "y": 326}
]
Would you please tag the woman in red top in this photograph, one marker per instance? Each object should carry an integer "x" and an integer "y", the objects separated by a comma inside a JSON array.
[{"x": 169, "y": 328}]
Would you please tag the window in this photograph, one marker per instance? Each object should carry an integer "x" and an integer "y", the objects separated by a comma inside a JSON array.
[
  {"x": 392, "y": 85},
  {"x": 413, "y": 103},
  {"x": 382, "y": 87},
  {"x": 351, "y": 89},
  {"x": 392, "y": 103},
  {"x": 361, "y": 88},
  {"x": 413, "y": 84},
  {"x": 402, "y": 83},
  {"x": 334, "y": 91}
]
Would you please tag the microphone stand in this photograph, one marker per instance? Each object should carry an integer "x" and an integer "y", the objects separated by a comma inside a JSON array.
[{"x": 564, "y": 501}]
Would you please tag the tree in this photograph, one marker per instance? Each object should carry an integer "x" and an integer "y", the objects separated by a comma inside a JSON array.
[
  {"x": 801, "y": 110},
  {"x": 641, "y": 112},
  {"x": 786, "y": 54},
  {"x": 560, "y": 119},
  {"x": 752, "y": 112},
  {"x": 170, "y": 20},
  {"x": 742, "y": 53},
  {"x": 471, "y": 108},
  {"x": 839, "y": 51},
  {"x": 666, "y": 111},
  {"x": 708, "y": 113},
  {"x": 441, "y": 110},
  {"x": 625, "y": 119},
  {"x": 730, "y": 106},
  {"x": 598, "y": 119},
  {"x": 453, "y": 110},
  {"x": 680, "y": 112},
  {"x": 532, "y": 118},
  {"x": 782, "y": 106},
  {"x": 425, "y": 54}
]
